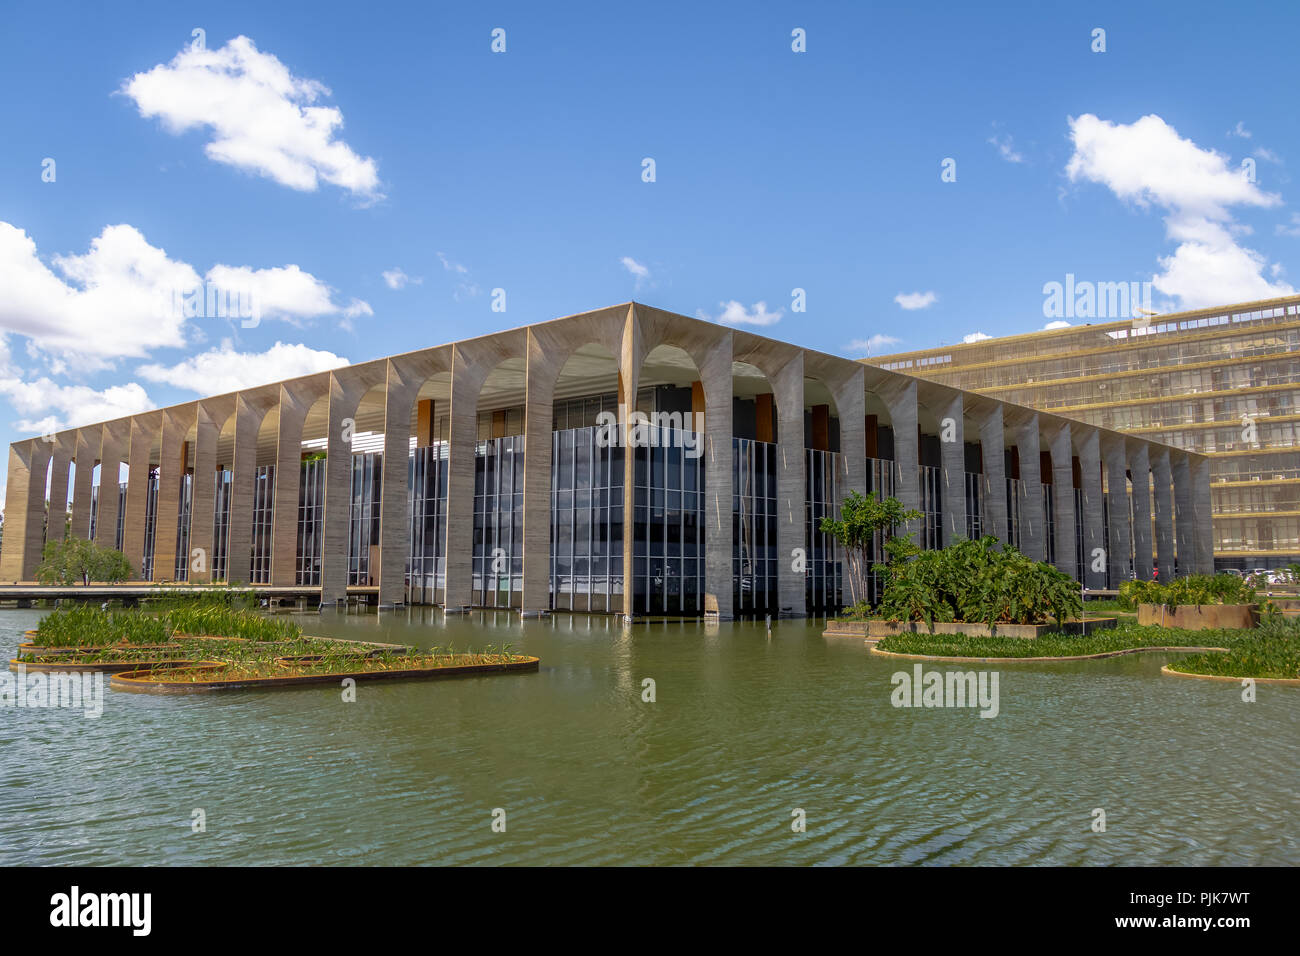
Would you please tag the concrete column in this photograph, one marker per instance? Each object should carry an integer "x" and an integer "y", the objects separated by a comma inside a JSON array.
[
  {"x": 1204, "y": 514},
  {"x": 1184, "y": 516},
  {"x": 543, "y": 370},
  {"x": 114, "y": 442},
  {"x": 64, "y": 449},
  {"x": 791, "y": 485},
  {"x": 296, "y": 400},
  {"x": 210, "y": 417},
  {"x": 250, "y": 409},
  {"x": 993, "y": 454},
  {"x": 900, "y": 398},
  {"x": 176, "y": 424},
  {"x": 24, "y": 510},
  {"x": 466, "y": 381},
  {"x": 1062, "y": 448},
  {"x": 347, "y": 387},
  {"x": 1116, "y": 463},
  {"x": 715, "y": 375},
  {"x": 1140, "y": 469},
  {"x": 405, "y": 376},
  {"x": 1031, "y": 487},
  {"x": 952, "y": 450},
  {"x": 1094, "y": 538},
  {"x": 850, "y": 405},
  {"x": 142, "y": 430},
  {"x": 86, "y": 455},
  {"x": 1162, "y": 479}
]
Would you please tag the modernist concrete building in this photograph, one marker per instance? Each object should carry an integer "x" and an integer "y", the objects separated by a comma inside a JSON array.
[
  {"x": 483, "y": 473},
  {"x": 1221, "y": 382}
]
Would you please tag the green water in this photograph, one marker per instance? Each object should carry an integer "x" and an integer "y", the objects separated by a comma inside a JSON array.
[{"x": 746, "y": 728}]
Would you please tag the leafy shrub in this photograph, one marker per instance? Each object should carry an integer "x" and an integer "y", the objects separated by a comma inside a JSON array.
[
  {"x": 1193, "y": 589},
  {"x": 973, "y": 581}
]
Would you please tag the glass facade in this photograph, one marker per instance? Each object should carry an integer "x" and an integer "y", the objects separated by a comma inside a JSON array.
[
  {"x": 498, "y": 562},
  {"x": 931, "y": 534},
  {"x": 974, "y": 505},
  {"x": 263, "y": 512},
  {"x": 1015, "y": 494},
  {"x": 150, "y": 525},
  {"x": 753, "y": 526},
  {"x": 426, "y": 568},
  {"x": 311, "y": 521},
  {"x": 668, "y": 526},
  {"x": 586, "y": 520},
  {"x": 121, "y": 516},
  {"x": 181, "y": 569},
  {"x": 363, "y": 528},
  {"x": 1049, "y": 523},
  {"x": 823, "y": 588},
  {"x": 222, "y": 482}
]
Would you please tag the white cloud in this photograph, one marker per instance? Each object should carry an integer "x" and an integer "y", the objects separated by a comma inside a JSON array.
[
  {"x": 69, "y": 406},
  {"x": 1006, "y": 148},
  {"x": 1240, "y": 131},
  {"x": 733, "y": 313},
  {"x": 121, "y": 298},
  {"x": 450, "y": 266},
  {"x": 105, "y": 303},
  {"x": 1057, "y": 324},
  {"x": 1292, "y": 228},
  {"x": 916, "y": 300},
  {"x": 263, "y": 118},
  {"x": 465, "y": 288},
  {"x": 285, "y": 292},
  {"x": 1149, "y": 164},
  {"x": 634, "y": 267},
  {"x": 975, "y": 337},
  {"x": 1266, "y": 154},
  {"x": 395, "y": 278},
  {"x": 873, "y": 344},
  {"x": 223, "y": 369}
]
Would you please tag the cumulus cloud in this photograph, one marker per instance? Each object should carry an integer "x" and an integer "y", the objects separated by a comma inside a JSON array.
[
  {"x": 395, "y": 278},
  {"x": 224, "y": 369},
  {"x": 975, "y": 337},
  {"x": 68, "y": 406},
  {"x": 1056, "y": 324},
  {"x": 1148, "y": 164},
  {"x": 916, "y": 300},
  {"x": 872, "y": 344},
  {"x": 733, "y": 313},
  {"x": 125, "y": 298},
  {"x": 101, "y": 304},
  {"x": 262, "y": 118},
  {"x": 637, "y": 269}
]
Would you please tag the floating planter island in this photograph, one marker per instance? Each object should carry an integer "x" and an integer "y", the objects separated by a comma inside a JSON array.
[{"x": 286, "y": 672}]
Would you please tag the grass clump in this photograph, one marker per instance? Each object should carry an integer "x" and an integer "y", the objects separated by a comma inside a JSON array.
[{"x": 1121, "y": 637}]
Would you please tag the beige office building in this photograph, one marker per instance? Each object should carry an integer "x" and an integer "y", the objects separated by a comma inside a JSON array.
[{"x": 1219, "y": 382}]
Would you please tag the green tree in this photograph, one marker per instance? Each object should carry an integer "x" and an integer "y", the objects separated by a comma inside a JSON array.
[
  {"x": 865, "y": 524},
  {"x": 74, "y": 559}
]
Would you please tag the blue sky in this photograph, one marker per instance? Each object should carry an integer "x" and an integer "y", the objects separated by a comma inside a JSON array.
[{"x": 465, "y": 171}]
